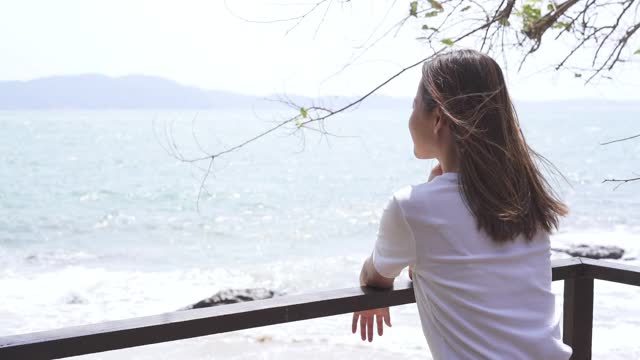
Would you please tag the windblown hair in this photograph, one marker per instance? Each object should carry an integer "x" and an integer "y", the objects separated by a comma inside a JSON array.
[{"x": 500, "y": 182}]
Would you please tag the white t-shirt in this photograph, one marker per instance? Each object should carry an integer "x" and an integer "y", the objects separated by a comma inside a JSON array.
[{"x": 477, "y": 299}]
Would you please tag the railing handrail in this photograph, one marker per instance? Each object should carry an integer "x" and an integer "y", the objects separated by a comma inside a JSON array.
[{"x": 120, "y": 334}]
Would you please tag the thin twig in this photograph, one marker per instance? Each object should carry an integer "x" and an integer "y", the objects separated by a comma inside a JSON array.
[
  {"x": 619, "y": 140},
  {"x": 621, "y": 181}
]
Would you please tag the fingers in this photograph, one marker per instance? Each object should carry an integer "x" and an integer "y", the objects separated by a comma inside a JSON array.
[
  {"x": 368, "y": 321},
  {"x": 354, "y": 324},
  {"x": 387, "y": 317},
  {"x": 436, "y": 171},
  {"x": 379, "y": 321}
]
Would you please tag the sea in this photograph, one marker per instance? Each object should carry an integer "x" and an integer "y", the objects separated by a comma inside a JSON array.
[{"x": 104, "y": 216}]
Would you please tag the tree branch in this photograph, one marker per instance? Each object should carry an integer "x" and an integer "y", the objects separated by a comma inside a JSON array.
[
  {"x": 621, "y": 181},
  {"x": 619, "y": 140}
]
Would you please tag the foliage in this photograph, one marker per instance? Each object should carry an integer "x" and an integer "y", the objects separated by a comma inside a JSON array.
[{"x": 507, "y": 25}]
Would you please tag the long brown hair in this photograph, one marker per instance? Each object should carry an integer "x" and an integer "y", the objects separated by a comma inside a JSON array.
[{"x": 500, "y": 182}]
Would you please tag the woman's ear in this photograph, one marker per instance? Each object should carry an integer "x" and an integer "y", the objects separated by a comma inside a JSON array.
[{"x": 438, "y": 120}]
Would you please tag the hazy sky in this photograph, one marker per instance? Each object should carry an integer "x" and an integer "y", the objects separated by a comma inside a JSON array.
[{"x": 203, "y": 43}]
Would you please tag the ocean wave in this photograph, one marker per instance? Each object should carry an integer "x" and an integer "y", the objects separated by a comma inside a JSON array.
[
  {"x": 58, "y": 257},
  {"x": 73, "y": 295}
]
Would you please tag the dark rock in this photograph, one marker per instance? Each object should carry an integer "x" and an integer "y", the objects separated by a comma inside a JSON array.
[
  {"x": 233, "y": 296},
  {"x": 75, "y": 299},
  {"x": 595, "y": 251}
]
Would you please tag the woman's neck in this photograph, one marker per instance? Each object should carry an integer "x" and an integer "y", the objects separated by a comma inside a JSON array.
[{"x": 449, "y": 160}]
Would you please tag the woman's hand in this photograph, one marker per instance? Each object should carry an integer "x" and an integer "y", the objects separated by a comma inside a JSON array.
[
  {"x": 367, "y": 320},
  {"x": 436, "y": 171}
]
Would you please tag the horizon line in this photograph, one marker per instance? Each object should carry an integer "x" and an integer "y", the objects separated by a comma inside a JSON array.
[{"x": 266, "y": 96}]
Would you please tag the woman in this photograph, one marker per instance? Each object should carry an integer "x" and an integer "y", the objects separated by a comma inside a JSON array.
[{"x": 476, "y": 235}]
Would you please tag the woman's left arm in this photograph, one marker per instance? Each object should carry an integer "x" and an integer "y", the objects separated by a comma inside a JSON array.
[
  {"x": 370, "y": 277},
  {"x": 394, "y": 250}
]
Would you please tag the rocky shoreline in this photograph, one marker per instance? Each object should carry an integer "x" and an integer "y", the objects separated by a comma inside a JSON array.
[
  {"x": 594, "y": 251},
  {"x": 233, "y": 296}
]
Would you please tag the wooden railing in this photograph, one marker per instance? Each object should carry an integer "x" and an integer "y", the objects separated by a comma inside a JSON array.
[{"x": 578, "y": 275}]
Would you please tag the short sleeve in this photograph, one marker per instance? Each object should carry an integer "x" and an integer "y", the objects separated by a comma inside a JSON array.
[{"x": 395, "y": 246}]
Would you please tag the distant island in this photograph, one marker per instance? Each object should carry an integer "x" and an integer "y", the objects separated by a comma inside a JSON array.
[{"x": 93, "y": 91}]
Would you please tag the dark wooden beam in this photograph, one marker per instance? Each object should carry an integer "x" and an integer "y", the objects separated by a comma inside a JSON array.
[
  {"x": 569, "y": 268},
  {"x": 577, "y": 324},
  {"x": 610, "y": 271},
  {"x": 179, "y": 325}
]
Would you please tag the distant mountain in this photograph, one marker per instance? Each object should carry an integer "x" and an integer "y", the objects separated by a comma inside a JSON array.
[
  {"x": 99, "y": 92},
  {"x": 94, "y": 91},
  {"x": 136, "y": 92}
]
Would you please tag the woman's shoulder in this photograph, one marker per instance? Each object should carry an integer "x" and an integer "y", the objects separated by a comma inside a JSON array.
[
  {"x": 404, "y": 193},
  {"x": 421, "y": 190},
  {"x": 412, "y": 197}
]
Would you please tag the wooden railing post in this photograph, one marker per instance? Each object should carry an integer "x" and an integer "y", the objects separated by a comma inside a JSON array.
[{"x": 578, "y": 316}]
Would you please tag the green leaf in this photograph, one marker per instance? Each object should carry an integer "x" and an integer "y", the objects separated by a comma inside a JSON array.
[
  {"x": 637, "y": 52},
  {"x": 562, "y": 25},
  {"x": 427, "y": 27},
  {"x": 504, "y": 21},
  {"x": 530, "y": 14},
  {"x": 298, "y": 123},
  {"x": 447, "y": 42},
  {"x": 303, "y": 112},
  {"x": 432, "y": 13},
  {"x": 465, "y": 8},
  {"x": 413, "y": 9},
  {"x": 436, "y": 5}
]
